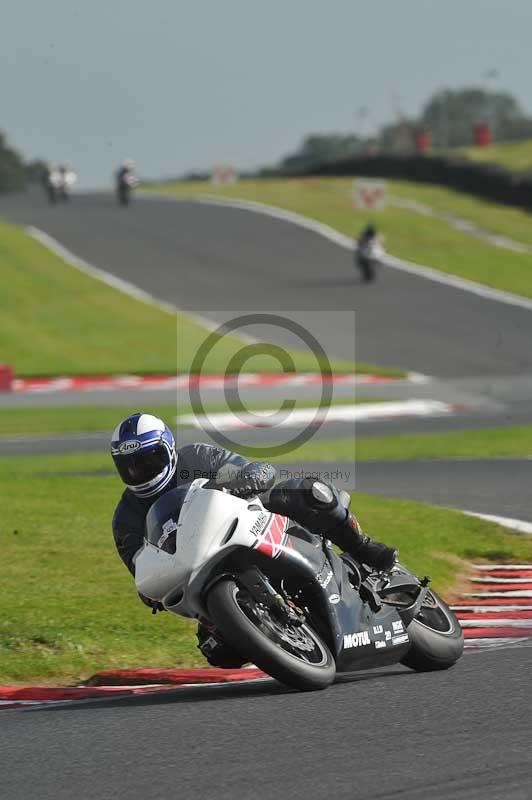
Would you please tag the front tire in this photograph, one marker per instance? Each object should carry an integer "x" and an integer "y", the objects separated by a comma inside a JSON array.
[
  {"x": 437, "y": 641},
  {"x": 295, "y": 656}
]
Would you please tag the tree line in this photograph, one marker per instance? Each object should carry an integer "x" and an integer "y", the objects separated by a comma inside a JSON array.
[
  {"x": 449, "y": 115},
  {"x": 15, "y": 172}
]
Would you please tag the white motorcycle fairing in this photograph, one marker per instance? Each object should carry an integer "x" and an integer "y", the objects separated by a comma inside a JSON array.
[
  {"x": 210, "y": 524},
  {"x": 280, "y": 596}
]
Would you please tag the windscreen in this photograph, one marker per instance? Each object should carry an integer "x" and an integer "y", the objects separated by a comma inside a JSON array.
[{"x": 163, "y": 517}]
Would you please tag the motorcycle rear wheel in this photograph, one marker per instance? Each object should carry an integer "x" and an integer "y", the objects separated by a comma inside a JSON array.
[
  {"x": 437, "y": 641},
  {"x": 295, "y": 656}
]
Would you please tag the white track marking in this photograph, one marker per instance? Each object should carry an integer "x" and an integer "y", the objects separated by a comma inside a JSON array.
[
  {"x": 496, "y": 623},
  {"x": 461, "y": 224},
  {"x": 507, "y": 522},
  {"x": 485, "y": 644},
  {"x": 491, "y": 609},
  {"x": 118, "y": 283},
  {"x": 478, "y": 289},
  {"x": 95, "y": 272},
  {"x": 523, "y": 594},
  {"x": 502, "y": 580},
  {"x": 337, "y": 413},
  {"x": 509, "y": 567}
]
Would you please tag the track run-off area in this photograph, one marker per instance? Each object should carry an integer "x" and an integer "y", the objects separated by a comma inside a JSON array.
[{"x": 384, "y": 734}]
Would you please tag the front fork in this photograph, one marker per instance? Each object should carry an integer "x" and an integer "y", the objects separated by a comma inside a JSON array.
[{"x": 263, "y": 592}]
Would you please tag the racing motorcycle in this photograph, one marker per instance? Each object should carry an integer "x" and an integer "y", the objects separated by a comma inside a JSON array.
[
  {"x": 59, "y": 185},
  {"x": 282, "y": 597},
  {"x": 125, "y": 185},
  {"x": 367, "y": 258}
]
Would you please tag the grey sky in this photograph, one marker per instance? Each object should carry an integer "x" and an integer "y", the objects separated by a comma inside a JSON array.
[{"x": 179, "y": 85}]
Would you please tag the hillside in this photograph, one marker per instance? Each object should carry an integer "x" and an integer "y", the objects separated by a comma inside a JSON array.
[{"x": 515, "y": 156}]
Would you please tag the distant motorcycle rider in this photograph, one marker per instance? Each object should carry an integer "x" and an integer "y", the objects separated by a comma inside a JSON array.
[
  {"x": 369, "y": 248},
  {"x": 146, "y": 458},
  {"x": 126, "y": 180},
  {"x": 58, "y": 182}
]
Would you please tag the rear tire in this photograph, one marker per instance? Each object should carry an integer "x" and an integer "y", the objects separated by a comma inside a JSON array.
[
  {"x": 258, "y": 637},
  {"x": 437, "y": 641}
]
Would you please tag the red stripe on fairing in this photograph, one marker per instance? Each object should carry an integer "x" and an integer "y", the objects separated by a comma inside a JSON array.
[
  {"x": 273, "y": 537},
  {"x": 497, "y": 633},
  {"x": 480, "y": 615}
]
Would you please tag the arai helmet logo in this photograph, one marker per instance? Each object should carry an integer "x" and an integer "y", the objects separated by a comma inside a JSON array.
[{"x": 129, "y": 447}]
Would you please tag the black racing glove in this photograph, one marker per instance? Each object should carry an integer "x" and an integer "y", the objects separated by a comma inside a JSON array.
[{"x": 246, "y": 480}]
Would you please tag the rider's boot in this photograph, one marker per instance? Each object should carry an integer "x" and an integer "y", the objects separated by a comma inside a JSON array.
[
  {"x": 217, "y": 652},
  {"x": 350, "y": 538}
]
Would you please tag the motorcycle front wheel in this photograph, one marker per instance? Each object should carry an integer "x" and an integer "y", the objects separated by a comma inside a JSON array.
[
  {"x": 294, "y": 655},
  {"x": 437, "y": 641}
]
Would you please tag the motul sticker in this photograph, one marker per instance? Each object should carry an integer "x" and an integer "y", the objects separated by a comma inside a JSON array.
[{"x": 359, "y": 639}]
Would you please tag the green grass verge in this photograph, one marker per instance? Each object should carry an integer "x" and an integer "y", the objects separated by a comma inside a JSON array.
[
  {"x": 409, "y": 235},
  {"x": 492, "y": 217},
  {"x": 54, "y": 320},
  {"x": 480, "y": 443},
  {"x": 68, "y": 607},
  {"x": 515, "y": 156},
  {"x": 95, "y": 419}
]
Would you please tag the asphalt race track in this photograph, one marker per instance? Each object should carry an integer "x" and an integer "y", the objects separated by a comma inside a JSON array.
[
  {"x": 460, "y": 734},
  {"x": 207, "y": 257}
]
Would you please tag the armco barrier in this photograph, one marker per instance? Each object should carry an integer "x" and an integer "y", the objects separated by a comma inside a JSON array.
[
  {"x": 485, "y": 180},
  {"x": 6, "y": 378}
]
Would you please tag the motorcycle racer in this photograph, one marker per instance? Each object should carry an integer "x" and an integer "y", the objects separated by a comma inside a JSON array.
[
  {"x": 369, "y": 249},
  {"x": 126, "y": 180},
  {"x": 148, "y": 462}
]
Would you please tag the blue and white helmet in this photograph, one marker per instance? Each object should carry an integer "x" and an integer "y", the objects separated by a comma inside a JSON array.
[{"x": 144, "y": 452}]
